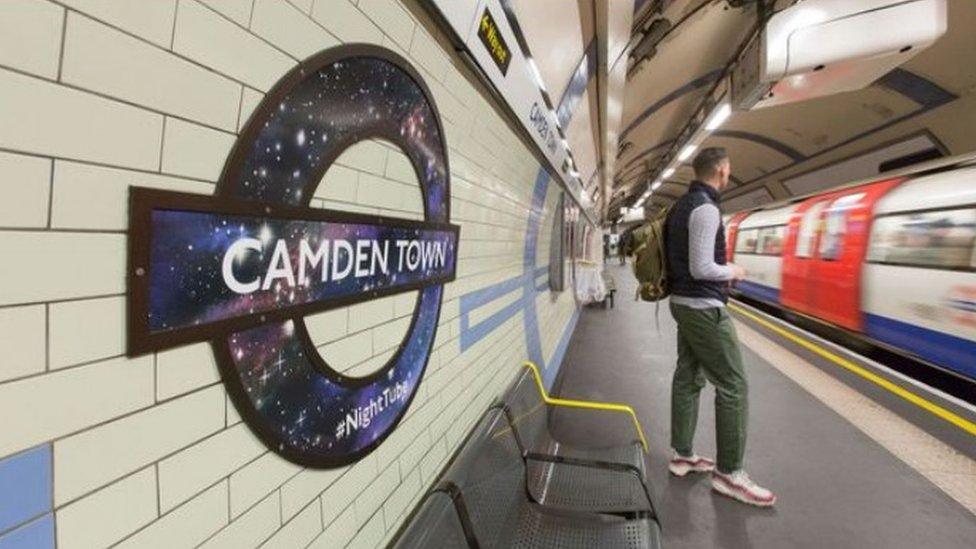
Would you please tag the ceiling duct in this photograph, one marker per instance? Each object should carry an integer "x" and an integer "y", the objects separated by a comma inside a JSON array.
[{"x": 646, "y": 47}]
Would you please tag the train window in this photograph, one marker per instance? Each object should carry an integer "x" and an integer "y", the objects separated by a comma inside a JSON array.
[
  {"x": 746, "y": 241},
  {"x": 809, "y": 226},
  {"x": 937, "y": 239},
  {"x": 835, "y": 226},
  {"x": 771, "y": 240}
]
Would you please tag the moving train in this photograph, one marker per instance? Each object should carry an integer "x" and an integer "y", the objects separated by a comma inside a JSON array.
[{"x": 892, "y": 260}]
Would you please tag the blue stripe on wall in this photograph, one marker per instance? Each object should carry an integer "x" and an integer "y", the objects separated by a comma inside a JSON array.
[
  {"x": 758, "y": 291},
  {"x": 38, "y": 534},
  {"x": 25, "y": 486},
  {"x": 949, "y": 351},
  {"x": 549, "y": 374}
]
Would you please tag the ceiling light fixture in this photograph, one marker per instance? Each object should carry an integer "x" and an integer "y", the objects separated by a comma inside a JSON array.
[
  {"x": 686, "y": 152},
  {"x": 718, "y": 117},
  {"x": 667, "y": 173}
]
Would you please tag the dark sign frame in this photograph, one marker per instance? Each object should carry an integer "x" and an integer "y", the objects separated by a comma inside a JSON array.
[{"x": 144, "y": 201}]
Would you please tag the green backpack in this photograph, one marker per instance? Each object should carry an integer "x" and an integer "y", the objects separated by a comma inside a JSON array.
[{"x": 651, "y": 260}]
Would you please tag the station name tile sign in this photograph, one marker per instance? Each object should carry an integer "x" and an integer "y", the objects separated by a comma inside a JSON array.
[{"x": 242, "y": 268}]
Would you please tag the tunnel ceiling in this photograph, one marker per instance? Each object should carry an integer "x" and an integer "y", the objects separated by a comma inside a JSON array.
[{"x": 698, "y": 39}]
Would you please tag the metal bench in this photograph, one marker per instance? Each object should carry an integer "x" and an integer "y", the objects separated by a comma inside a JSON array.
[
  {"x": 606, "y": 479},
  {"x": 489, "y": 477},
  {"x": 488, "y": 496}
]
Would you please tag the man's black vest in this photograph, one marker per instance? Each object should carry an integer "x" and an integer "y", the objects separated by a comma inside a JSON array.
[{"x": 679, "y": 274}]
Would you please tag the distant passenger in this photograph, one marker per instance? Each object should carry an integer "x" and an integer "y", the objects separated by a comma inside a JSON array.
[{"x": 708, "y": 348}]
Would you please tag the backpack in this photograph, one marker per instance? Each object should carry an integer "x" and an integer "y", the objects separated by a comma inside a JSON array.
[{"x": 650, "y": 259}]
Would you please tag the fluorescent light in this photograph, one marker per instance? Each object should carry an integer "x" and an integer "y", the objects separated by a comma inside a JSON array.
[
  {"x": 565, "y": 143},
  {"x": 639, "y": 203},
  {"x": 535, "y": 72},
  {"x": 667, "y": 173},
  {"x": 718, "y": 117},
  {"x": 573, "y": 173},
  {"x": 656, "y": 185},
  {"x": 686, "y": 152}
]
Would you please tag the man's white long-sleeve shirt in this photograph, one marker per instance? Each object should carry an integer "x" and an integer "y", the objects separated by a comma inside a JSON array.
[{"x": 703, "y": 225}]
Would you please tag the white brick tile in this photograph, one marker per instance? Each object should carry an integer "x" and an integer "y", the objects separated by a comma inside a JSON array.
[
  {"x": 308, "y": 484},
  {"x": 304, "y": 5},
  {"x": 233, "y": 417},
  {"x": 257, "y": 479},
  {"x": 30, "y": 36},
  {"x": 96, "y": 197},
  {"x": 187, "y": 525},
  {"x": 40, "y": 408},
  {"x": 249, "y": 102},
  {"x": 383, "y": 193},
  {"x": 431, "y": 464},
  {"x": 367, "y": 156},
  {"x": 45, "y": 266},
  {"x": 184, "y": 369},
  {"x": 194, "y": 151},
  {"x": 392, "y": 18},
  {"x": 368, "y": 366},
  {"x": 327, "y": 326},
  {"x": 75, "y": 124},
  {"x": 340, "y": 532},
  {"x": 342, "y": 19},
  {"x": 397, "y": 503},
  {"x": 250, "y": 529},
  {"x": 338, "y": 184},
  {"x": 22, "y": 341},
  {"x": 237, "y": 10},
  {"x": 348, "y": 351},
  {"x": 371, "y": 498},
  {"x": 300, "y": 531},
  {"x": 102, "y": 59},
  {"x": 105, "y": 517},
  {"x": 388, "y": 336},
  {"x": 284, "y": 25},
  {"x": 426, "y": 51},
  {"x": 152, "y": 21},
  {"x": 86, "y": 330},
  {"x": 98, "y": 456},
  {"x": 193, "y": 469},
  {"x": 371, "y": 534},
  {"x": 399, "y": 168},
  {"x": 217, "y": 43},
  {"x": 370, "y": 313},
  {"x": 25, "y": 186}
]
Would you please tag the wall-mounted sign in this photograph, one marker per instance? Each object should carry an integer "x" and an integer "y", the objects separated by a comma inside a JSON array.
[
  {"x": 492, "y": 38},
  {"x": 242, "y": 268},
  {"x": 472, "y": 21}
]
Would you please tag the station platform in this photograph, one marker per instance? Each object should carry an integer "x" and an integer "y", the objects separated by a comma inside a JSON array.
[{"x": 852, "y": 464}]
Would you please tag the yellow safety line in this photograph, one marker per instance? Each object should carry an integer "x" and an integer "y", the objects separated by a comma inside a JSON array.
[
  {"x": 931, "y": 407},
  {"x": 589, "y": 405}
]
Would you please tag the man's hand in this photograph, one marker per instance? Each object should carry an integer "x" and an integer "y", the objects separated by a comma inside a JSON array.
[{"x": 738, "y": 273}]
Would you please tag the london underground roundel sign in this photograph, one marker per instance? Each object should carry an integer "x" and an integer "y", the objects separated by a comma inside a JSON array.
[{"x": 242, "y": 268}]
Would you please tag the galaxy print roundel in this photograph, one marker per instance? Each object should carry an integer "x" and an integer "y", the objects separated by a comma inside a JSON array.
[{"x": 242, "y": 268}]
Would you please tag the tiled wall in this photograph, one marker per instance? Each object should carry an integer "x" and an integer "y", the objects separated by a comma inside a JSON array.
[{"x": 97, "y": 449}]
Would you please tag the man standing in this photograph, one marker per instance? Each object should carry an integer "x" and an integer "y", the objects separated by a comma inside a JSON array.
[{"x": 708, "y": 348}]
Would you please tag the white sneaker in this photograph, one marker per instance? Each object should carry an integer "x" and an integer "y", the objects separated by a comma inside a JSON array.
[
  {"x": 739, "y": 486},
  {"x": 680, "y": 466}
]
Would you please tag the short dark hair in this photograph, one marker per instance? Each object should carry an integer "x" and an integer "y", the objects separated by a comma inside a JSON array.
[{"x": 707, "y": 162}]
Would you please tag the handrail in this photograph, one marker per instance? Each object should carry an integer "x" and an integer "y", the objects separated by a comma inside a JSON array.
[{"x": 586, "y": 404}]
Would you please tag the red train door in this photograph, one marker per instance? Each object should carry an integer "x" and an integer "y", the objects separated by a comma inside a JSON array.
[{"x": 828, "y": 255}]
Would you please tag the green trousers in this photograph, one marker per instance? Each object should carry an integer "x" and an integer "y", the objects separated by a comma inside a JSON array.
[{"x": 708, "y": 349}]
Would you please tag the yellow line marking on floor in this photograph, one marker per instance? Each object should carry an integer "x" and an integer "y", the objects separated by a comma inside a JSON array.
[
  {"x": 947, "y": 468},
  {"x": 896, "y": 389}
]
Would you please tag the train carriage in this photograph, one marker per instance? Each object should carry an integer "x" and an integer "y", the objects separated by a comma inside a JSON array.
[{"x": 853, "y": 257}]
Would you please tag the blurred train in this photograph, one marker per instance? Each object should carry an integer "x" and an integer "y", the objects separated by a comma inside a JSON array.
[{"x": 891, "y": 260}]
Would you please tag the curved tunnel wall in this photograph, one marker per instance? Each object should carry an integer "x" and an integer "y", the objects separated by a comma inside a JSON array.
[{"x": 98, "y": 98}]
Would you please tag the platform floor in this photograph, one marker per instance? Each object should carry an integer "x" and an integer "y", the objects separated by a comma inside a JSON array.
[{"x": 839, "y": 483}]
